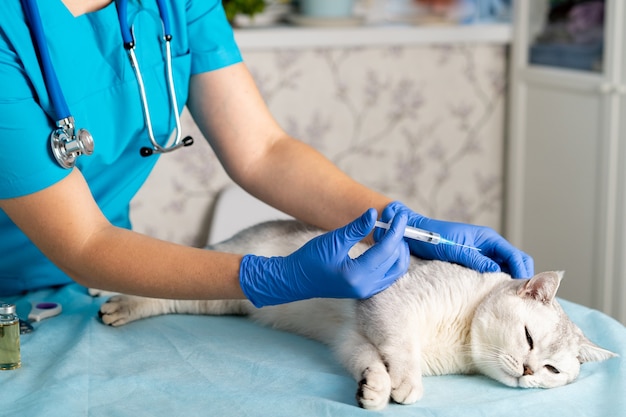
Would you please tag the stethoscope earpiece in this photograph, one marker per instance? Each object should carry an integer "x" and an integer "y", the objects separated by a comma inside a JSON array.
[
  {"x": 145, "y": 151},
  {"x": 187, "y": 141}
]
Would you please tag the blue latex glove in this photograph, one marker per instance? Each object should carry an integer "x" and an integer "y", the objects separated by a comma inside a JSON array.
[
  {"x": 496, "y": 253},
  {"x": 322, "y": 267}
]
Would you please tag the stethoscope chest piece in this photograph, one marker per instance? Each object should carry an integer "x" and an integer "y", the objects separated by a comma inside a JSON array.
[
  {"x": 67, "y": 142},
  {"x": 67, "y": 145}
]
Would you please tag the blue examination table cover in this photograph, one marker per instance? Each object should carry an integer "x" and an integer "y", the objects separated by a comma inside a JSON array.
[{"x": 73, "y": 365}]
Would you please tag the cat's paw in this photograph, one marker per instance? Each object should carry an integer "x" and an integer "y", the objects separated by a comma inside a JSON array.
[
  {"x": 374, "y": 389},
  {"x": 409, "y": 390},
  {"x": 120, "y": 310}
]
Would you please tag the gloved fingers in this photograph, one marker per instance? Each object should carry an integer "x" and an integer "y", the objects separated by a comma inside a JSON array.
[
  {"x": 400, "y": 266},
  {"x": 355, "y": 231},
  {"x": 388, "y": 213},
  {"x": 521, "y": 265},
  {"x": 529, "y": 263},
  {"x": 381, "y": 275},
  {"x": 516, "y": 262},
  {"x": 474, "y": 260},
  {"x": 467, "y": 257},
  {"x": 396, "y": 264},
  {"x": 398, "y": 269},
  {"x": 386, "y": 248}
]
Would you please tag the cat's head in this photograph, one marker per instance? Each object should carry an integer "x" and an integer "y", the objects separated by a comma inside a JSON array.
[{"x": 521, "y": 336}]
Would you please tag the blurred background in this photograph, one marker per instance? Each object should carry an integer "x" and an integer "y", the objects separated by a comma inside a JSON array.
[{"x": 245, "y": 13}]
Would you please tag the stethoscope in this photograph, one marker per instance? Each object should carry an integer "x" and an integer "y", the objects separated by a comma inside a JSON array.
[{"x": 67, "y": 142}]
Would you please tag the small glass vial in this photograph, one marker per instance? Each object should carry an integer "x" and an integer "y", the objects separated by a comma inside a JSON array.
[{"x": 9, "y": 337}]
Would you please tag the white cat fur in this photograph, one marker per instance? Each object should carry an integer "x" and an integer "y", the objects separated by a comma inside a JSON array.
[{"x": 440, "y": 318}]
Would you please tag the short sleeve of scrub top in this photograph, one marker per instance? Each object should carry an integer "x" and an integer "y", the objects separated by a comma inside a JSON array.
[{"x": 102, "y": 94}]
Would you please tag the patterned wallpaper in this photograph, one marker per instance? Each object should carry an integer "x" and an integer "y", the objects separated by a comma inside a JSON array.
[{"x": 423, "y": 124}]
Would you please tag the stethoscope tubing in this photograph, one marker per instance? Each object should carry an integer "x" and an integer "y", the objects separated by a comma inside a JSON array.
[
  {"x": 122, "y": 12},
  {"x": 60, "y": 107},
  {"x": 130, "y": 44},
  {"x": 144, "y": 99},
  {"x": 67, "y": 142},
  {"x": 174, "y": 101}
]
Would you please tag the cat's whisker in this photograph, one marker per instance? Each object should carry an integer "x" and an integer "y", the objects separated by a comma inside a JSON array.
[{"x": 490, "y": 356}]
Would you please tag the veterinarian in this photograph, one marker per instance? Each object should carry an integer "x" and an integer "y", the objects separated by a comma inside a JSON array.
[{"x": 85, "y": 111}]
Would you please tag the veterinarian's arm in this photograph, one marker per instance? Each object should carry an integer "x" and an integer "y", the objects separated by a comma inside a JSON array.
[
  {"x": 65, "y": 223},
  {"x": 85, "y": 245},
  {"x": 265, "y": 161},
  {"x": 295, "y": 178}
]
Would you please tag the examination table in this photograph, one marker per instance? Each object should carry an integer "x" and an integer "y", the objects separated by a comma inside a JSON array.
[{"x": 178, "y": 365}]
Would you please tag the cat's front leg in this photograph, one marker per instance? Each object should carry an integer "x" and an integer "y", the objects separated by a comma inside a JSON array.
[
  {"x": 363, "y": 361},
  {"x": 402, "y": 356},
  {"x": 374, "y": 387},
  {"x": 122, "y": 309}
]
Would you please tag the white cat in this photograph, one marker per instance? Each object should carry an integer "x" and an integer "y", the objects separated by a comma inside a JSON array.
[{"x": 440, "y": 318}]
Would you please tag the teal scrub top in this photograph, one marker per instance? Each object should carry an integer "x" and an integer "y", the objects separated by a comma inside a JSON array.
[{"x": 102, "y": 94}]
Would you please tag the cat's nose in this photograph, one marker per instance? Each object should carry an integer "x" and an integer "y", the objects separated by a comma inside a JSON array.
[{"x": 527, "y": 370}]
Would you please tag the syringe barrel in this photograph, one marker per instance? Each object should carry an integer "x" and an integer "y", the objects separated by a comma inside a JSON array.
[
  {"x": 423, "y": 235},
  {"x": 415, "y": 233}
]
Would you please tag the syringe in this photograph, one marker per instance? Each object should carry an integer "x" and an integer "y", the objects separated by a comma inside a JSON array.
[{"x": 425, "y": 236}]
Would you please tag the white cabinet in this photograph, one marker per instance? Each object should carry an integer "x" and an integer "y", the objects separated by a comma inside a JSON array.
[{"x": 566, "y": 160}]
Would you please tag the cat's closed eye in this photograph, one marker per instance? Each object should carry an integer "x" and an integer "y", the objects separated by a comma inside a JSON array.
[
  {"x": 552, "y": 369},
  {"x": 528, "y": 338}
]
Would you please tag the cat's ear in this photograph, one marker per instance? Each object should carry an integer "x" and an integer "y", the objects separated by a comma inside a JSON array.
[
  {"x": 542, "y": 287},
  {"x": 590, "y": 352}
]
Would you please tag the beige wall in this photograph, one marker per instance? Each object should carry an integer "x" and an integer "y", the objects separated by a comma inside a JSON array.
[{"x": 424, "y": 124}]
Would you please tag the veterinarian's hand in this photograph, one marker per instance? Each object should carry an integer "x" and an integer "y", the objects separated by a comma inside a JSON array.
[
  {"x": 322, "y": 267},
  {"x": 496, "y": 253}
]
